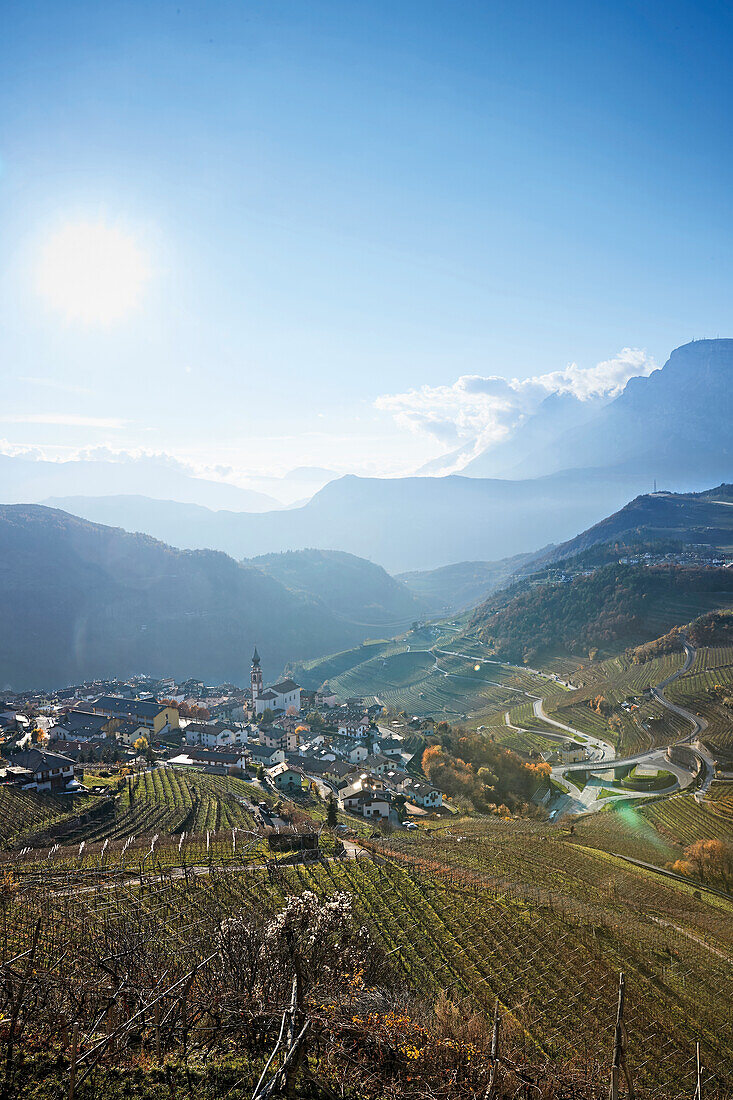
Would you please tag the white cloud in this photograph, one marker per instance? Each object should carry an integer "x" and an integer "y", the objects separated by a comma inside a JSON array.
[{"x": 483, "y": 410}]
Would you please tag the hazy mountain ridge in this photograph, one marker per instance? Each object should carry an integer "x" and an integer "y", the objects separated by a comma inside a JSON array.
[
  {"x": 455, "y": 587},
  {"x": 405, "y": 524},
  {"x": 348, "y": 585},
  {"x": 673, "y": 425},
  {"x": 704, "y": 519},
  {"x": 31, "y": 481},
  {"x": 86, "y": 600}
]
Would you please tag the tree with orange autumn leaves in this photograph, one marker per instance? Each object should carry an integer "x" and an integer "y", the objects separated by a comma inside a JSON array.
[
  {"x": 711, "y": 861},
  {"x": 488, "y": 776}
]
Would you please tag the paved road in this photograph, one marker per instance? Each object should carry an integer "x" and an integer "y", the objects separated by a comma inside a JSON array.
[{"x": 599, "y": 749}]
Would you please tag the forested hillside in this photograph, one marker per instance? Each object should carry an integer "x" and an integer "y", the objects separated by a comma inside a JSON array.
[
  {"x": 81, "y": 600},
  {"x": 348, "y": 585},
  {"x": 701, "y": 519},
  {"x": 616, "y": 606}
]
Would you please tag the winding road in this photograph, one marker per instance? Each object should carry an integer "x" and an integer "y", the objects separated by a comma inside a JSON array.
[{"x": 594, "y": 794}]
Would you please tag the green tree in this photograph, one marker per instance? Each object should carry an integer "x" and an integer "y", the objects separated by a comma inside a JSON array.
[{"x": 331, "y": 814}]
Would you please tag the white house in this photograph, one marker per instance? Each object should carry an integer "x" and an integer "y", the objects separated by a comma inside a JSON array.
[
  {"x": 261, "y": 756},
  {"x": 353, "y": 727},
  {"x": 325, "y": 697},
  {"x": 215, "y": 735},
  {"x": 275, "y": 737},
  {"x": 368, "y": 803},
  {"x": 422, "y": 793},
  {"x": 378, "y": 764}
]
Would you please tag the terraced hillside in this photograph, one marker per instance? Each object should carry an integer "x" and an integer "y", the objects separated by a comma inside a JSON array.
[
  {"x": 163, "y": 800},
  {"x": 707, "y": 690},
  {"x": 462, "y": 916}
]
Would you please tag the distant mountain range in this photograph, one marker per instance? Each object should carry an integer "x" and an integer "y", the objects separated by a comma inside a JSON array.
[
  {"x": 30, "y": 481},
  {"x": 79, "y": 600},
  {"x": 571, "y": 464},
  {"x": 401, "y": 523},
  {"x": 25, "y": 480},
  {"x": 82, "y": 600}
]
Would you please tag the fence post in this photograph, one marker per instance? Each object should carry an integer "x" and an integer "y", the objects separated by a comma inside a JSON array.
[
  {"x": 157, "y": 1030},
  {"x": 72, "y": 1066},
  {"x": 617, "y": 1040},
  {"x": 619, "y": 1057},
  {"x": 698, "y": 1089},
  {"x": 494, "y": 1052}
]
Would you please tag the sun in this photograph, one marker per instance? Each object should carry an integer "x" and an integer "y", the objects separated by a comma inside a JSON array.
[{"x": 92, "y": 272}]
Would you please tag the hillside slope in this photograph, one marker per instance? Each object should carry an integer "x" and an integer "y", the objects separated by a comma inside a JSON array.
[
  {"x": 700, "y": 519},
  {"x": 616, "y": 606},
  {"x": 349, "y": 586},
  {"x": 80, "y": 600}
]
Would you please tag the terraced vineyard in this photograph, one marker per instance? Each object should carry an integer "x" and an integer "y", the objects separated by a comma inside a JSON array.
[
  {"x": 712, "y": 657},
  {"x": 479, "y": 911},
  {"x": 626, "y": 831},
  {"x": 322, "y": 669},
  {"x": 163, "y": 800},
  {"x": 438, "y": 683},
  {"x": 25, "y": 812},
  {"x": 720, "y": 797},
  {"x": 682, "y": 820}
]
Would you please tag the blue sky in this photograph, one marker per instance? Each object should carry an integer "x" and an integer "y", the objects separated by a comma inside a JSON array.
[{"x": 346, "y": 207}]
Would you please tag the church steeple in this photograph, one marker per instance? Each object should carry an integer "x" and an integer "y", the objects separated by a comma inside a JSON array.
[{"x": 256, "y": 678}]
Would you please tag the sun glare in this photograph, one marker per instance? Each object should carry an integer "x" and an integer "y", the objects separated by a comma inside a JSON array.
[{"x": 92, "y": 272}]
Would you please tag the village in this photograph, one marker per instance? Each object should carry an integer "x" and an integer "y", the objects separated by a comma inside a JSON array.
[{"x": 280, "y": 736}]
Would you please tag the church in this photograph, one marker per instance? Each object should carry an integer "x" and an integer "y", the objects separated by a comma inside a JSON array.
[{"x": 278, "y": 697}]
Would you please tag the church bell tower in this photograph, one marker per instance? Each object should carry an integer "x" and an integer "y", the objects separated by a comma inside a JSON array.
[{"x": 256, "y": 677}]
